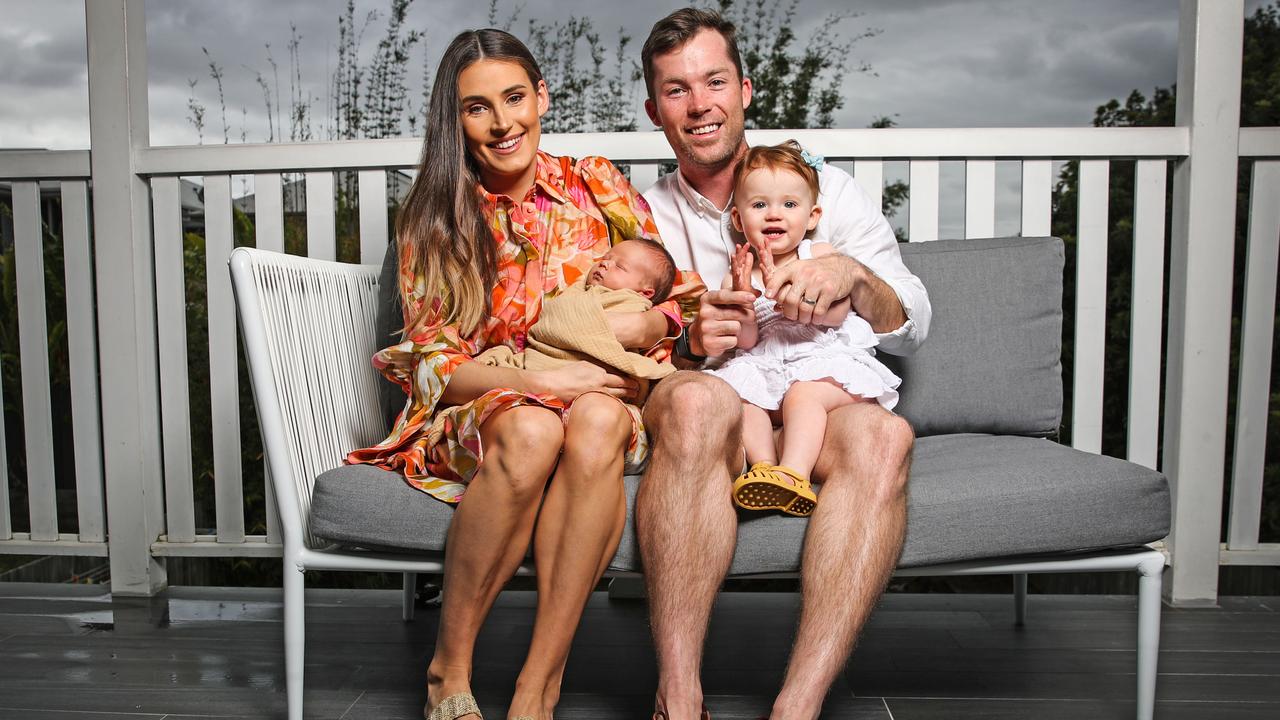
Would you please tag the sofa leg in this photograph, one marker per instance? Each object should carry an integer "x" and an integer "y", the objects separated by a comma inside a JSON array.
[
  {"x": 410, "y": 587},
  {"x": 294, "y": 636},
  {"x": 1020, "y": 599},
  {"x": 626, "y": 588},
  {"x": 1150, "y": 574}
]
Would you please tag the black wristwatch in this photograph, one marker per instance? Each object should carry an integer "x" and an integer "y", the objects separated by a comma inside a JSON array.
[{"x": 684, "y": 350}]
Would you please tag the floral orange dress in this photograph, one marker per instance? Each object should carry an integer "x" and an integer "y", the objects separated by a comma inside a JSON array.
[{"x": 574, "y": 213}]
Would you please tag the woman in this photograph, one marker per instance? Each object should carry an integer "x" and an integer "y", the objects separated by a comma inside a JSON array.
[{"x": 490, "y": 228}]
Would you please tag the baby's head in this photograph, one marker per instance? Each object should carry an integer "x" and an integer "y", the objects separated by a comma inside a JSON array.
[
  {"x": 775, "y": 197},
  {"x": 641, "y": 265}
]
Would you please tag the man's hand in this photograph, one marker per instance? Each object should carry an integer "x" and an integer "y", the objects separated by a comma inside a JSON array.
[
  {"x": 806, "y": 289},
  {"x": 723, "y": 315}
]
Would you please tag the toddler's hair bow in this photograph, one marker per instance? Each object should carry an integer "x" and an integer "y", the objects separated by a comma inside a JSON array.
[{"x": 814, "y": 161}]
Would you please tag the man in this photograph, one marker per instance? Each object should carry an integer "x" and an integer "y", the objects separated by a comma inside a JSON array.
[{"x": 686, "y": 523}]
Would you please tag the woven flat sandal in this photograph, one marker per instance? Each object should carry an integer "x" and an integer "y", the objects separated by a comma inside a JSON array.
[
  {"x": 763, "y": 488},
  {"x": 453, "y": 707}
]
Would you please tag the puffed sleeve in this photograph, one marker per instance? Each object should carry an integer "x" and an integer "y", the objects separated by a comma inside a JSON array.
[
  {"x": 426, "y": 358},
  {"x": 628, "y": 216}
]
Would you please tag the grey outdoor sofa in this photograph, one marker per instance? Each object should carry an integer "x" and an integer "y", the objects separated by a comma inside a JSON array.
[{"x": 990, "y": 491}]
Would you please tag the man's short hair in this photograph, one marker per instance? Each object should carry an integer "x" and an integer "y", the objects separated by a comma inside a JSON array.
[
  {"x": 678, "y": 28},
  {"x": 664, "y": 271}
]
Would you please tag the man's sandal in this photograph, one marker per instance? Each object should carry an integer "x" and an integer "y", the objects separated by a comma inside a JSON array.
[
  {"x": 763, "y": 488},
  {"x": 453, "y": 707}
]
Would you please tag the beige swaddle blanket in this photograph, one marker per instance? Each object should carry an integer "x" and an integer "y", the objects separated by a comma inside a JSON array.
[{"x": 573, "y": 327}]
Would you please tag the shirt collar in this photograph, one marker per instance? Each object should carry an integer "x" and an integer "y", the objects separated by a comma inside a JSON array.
[
  {"x": 549, "y": 176},
  {"x": 700, "y": 203}
]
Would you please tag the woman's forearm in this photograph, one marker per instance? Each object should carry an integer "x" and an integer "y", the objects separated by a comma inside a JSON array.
[
  {"x": 473, "y": 379},
  {"x": 638, "y": 330}
]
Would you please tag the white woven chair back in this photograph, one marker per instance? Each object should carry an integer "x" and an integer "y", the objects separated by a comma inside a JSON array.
[{"x": 309, "y": 332}]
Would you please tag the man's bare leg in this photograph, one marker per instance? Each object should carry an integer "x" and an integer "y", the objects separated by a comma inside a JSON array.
[
  {"x": 851, "y": 548},
  {"x": 686, "y": 524}
]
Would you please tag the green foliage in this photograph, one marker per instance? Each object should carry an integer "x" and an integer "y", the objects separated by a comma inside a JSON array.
[
  {"x": 792, "y": 87},
  {"x": 1260, "y": 81}
]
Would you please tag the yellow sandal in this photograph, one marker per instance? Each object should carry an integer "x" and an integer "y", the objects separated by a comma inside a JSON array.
[{"x": 763, "y": 488}]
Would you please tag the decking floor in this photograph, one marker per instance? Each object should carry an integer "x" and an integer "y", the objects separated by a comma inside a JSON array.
[{"x": 73, "y": 654}]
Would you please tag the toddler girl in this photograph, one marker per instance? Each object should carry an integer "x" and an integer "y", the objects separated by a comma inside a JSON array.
[{"x": 789, "y": 373}]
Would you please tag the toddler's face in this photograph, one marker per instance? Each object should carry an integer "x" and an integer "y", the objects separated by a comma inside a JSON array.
[
  {"x": 627, "y": 266},
  {"x": 774, "y": 209}
]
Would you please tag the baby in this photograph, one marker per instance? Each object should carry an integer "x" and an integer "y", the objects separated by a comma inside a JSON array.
[
  {"x": 787, "y": 373},
  {"x": 641, "y": 265},
  {"x": 631, "y": 277}
]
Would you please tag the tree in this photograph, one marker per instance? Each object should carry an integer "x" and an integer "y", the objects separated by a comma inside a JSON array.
[{"x": 792, "y": 87}]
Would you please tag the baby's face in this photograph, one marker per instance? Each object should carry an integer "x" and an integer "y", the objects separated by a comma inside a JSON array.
[
  {"x": 774, "y": 209},
  {"x": 627, "y": 266}
]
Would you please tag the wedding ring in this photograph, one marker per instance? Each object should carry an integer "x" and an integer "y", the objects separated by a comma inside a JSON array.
[{"x": 807, "y": 301}]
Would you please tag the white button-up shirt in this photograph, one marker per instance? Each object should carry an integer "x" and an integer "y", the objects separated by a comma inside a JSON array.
[{"x": 701, "y": 237}]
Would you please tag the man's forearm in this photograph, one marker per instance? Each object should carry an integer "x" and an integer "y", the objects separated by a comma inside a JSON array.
[{"x": 873, "y": 299}]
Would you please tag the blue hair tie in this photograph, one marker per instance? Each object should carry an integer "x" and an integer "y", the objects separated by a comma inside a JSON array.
[{"x": 814, "y": 161}]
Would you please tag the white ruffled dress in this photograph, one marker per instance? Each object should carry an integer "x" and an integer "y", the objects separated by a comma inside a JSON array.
[{"x": 788, "y": 352}]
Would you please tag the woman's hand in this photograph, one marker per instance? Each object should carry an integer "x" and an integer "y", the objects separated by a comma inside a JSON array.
[{"x": 570, "y": 381}]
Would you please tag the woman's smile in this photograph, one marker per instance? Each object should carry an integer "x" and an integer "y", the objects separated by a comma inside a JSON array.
[{"x": 507, "y": 146}]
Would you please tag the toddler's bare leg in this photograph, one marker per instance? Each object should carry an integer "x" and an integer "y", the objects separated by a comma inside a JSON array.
[
  {"x": 757, "y": 435},
  {"x": 804, "y": 421}
]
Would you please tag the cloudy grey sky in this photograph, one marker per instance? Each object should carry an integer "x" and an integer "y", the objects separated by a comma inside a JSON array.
[{"x": 937, "y": 63}]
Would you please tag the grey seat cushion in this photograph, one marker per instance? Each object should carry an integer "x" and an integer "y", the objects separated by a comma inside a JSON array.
[
  {"x": 971, "y": 497},
  {"x": 992, "y": 362}
]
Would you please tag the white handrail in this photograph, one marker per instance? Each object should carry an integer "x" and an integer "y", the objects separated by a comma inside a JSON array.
[{"x": 649, "y": 147}]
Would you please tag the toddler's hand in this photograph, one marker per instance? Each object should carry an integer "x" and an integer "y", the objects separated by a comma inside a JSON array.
[
  {"x": 740, "y": 270},
  {"x": 765, "y": 256}
]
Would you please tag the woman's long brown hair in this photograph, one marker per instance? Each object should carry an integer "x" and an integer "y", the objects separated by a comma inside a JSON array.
[{"x": 443, "y": 224}]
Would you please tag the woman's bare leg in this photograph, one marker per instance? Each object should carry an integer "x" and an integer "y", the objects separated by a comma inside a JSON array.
[
  {"x": 804, "y": 421},
  {"x": 578, "y": 531},
  {"x": 757, "y": 435},
  {"x": 490, "y": 535}
]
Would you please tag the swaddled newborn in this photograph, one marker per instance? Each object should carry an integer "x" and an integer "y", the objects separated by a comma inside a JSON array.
[{"x": 631, "y": 277}]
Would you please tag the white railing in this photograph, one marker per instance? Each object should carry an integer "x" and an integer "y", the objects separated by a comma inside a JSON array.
[
  {"x": 144, "y": 440},
  {"x": 69, "y": 171},
  {"x": 1253, "y": 389},
  {"x": 863, "y": 152}
]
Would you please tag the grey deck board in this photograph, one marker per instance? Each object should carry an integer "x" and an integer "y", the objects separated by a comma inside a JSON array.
[{"x": 218, "y": 653}]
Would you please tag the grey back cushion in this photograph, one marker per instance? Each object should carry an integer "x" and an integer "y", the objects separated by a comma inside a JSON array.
[
  {"x": 993, "y": 360},
  {"x": 991, "y": 363}
]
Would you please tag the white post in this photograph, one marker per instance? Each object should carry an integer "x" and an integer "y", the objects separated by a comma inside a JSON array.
[
  {"x": 1204, "y": 202},
  {"x": 117, "y": 45}
]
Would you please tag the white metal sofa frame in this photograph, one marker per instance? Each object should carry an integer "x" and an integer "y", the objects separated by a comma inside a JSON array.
[{"x": 309, "y": 331}]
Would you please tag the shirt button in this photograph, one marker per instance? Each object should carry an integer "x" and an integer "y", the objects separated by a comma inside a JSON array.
[{"x": 530, "y": 207}]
